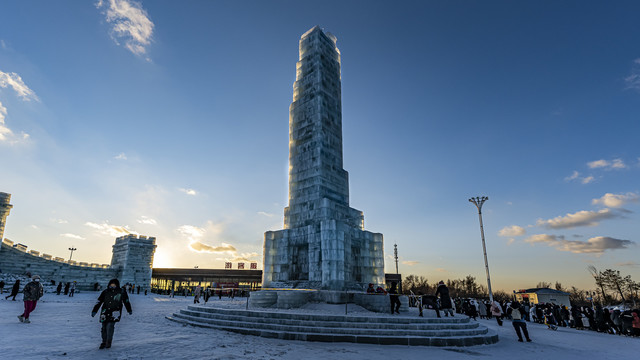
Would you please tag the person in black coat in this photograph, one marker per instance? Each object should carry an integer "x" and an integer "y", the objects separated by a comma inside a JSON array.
[
  {"x": 59, "y": 288},
  {"x": 111, "y": 301},
  {"x": 393, "y": 298},
  {"x": 445, "y": 299},
  {"x": 14, "y": 291}
]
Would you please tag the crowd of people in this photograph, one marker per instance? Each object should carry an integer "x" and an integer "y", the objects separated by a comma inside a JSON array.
[{"x": 612, "y": 320}]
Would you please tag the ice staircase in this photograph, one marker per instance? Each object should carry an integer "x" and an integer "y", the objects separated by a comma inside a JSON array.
[{"x": 385, "y": 330}]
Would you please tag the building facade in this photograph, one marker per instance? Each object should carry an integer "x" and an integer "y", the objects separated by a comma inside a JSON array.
[
  {"x": 132, "y": 258},
  {"x": 323, "y": 244}
]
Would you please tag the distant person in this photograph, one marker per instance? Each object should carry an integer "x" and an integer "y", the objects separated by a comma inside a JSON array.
[
  {"x": 370, "y": 289},
  {"x": 482, "y": 310},
  {"x": 111, "y": 301},
  {"x": 635, "y": 323},
  {"x": 445, "y": 299},
  {"x": 196, "y": 294},
  {"x": 33, "y": 291},
  {"x": 207, "y": 295},
  {"x": 496, "y": 311},
  {"x": 138, "y": 289},
  {"x": 14, "y": 290},
  {"x": 59, "y": 288},
  {"x": 393, "y": 298},
  {"x": 1, "y": 286},
  {"x": 66, "y": 288},
  {"x": 72, "y": 289},
  {"x": 516, "y": 312}
]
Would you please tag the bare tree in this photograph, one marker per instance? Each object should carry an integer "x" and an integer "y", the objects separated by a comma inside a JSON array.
[
  {"x": 597, "y": 276},
  {"x": 613, "y": 280},
  {"x": 543, "y": 285}
]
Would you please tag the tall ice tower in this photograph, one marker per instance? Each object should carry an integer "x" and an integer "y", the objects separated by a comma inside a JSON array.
[
  {"x": 5, "y": 208},
  {"x": 323, "y": 244}
]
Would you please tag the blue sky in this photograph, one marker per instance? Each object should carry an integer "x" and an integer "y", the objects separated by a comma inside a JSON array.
[{"x": 170, "y": 119}]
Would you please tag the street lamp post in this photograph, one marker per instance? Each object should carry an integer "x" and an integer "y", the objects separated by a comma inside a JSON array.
[
  {"x": 478, "y": 201},
  {"x": 395, "y": 255},
  {"x": 72, "y": 250}
]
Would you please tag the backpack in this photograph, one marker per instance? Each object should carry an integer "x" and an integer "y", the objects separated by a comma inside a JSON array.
[
  {"x": 112, "y": 306},
  {"x": 516, "y": 315}
]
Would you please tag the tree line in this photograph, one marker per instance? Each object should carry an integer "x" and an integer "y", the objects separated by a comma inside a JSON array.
[{"x": 611, "y": 288}]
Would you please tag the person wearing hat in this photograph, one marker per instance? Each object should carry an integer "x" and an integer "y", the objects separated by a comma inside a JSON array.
[
  {"x": 33, "y": 291},
  {"x": 111, "y": 301}
]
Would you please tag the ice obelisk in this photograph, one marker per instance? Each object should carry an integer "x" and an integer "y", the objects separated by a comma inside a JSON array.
[{"x": 323, "y": 244}]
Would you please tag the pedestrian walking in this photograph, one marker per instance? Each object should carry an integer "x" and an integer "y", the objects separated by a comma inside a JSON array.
[
  {"x": 207, "y": 295},
  {"x": 66, "y": 288},
  {"x": 59, "y": 288},
  {"x": 496, "y": 311},
  {"x": 516, "y": 312},
  {"x": 72, "y": 289},
  {"x": 111, "y": 300},
  {"x": 14, "y": 290},
  {"x": 196, "y": 294},
  {"x": 1, "y": 286},
  {"x": 33, "y": 291}
]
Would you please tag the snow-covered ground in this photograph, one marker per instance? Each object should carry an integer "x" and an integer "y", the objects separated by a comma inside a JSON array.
[{"x": 62, "y": 328}]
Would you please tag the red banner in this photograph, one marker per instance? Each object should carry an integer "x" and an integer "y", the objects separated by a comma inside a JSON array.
[
  {"x": 254, "y": 266},
  {"x": 240, "y": 265},
  {"x": 227, "y": 265}
]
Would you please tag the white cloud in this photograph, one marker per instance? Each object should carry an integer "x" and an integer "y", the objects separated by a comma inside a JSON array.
[
  {"x": 129, "y": 23},
  {"x": 265, "y": 214},
  {"x": 511, "y": 241},
  {"x": 595, "y": 245},
  {"x": 72, "y": 236},
  {"x": 189, "y": 191},
  {"x": 441, "y": 270},
  {"x": 242, "y": 257},
  {"x": 146, "y": 220},
  {"x": 202, "y": 247},
  {"x": 616, "y": 200},
  {"x": 111, "y": 230},
  {"x": 580, "y": 218},
  {"x": 513, "y": 230},
  {"x": 614, "y": 164},
  {"x": 191, "y": 232},
  {"x": 633, "y": 80},
  {"x": 59, "y": 221},
  {"x": 576, "y": 176},
  {"x": 14, "y": 81},
  {"x": 410, "y": 262},
  {"x": 587, "y": 180},
  {"x": 121, "y": 156},
  {"x": 196, "y": 234},
  {"x": 572, "y": 176}
]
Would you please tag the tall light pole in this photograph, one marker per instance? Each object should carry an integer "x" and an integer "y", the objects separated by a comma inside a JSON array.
[
  {"x": 395, "y": 255},
  {"x": 478, "y": 201},
  {"x": 72, "y": 250}
]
